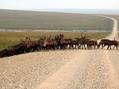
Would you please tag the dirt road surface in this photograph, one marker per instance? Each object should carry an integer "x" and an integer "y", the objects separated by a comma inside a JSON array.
[{"x": 66, "y": 69}]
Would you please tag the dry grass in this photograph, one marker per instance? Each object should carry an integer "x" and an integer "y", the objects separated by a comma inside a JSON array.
[
  {"x": 11, "y": 38},
  {"x": 10, "y": 19},
  {"x": 116, "y": 17}
]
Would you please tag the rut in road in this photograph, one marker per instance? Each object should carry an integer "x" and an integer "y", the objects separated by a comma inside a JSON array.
[{"x": 87, "y": 70}]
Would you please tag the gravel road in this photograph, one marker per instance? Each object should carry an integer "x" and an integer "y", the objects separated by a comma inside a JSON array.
[{"x": 65, "y": 69}]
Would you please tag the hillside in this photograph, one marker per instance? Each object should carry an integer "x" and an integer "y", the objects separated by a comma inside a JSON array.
[{"x": 11, "y": 19}]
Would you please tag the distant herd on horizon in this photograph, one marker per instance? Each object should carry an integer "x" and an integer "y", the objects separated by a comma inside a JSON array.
[{"x": 57, "y": 43}]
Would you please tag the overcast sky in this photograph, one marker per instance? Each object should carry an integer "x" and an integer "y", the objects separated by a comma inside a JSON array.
[{"x": 59, "y": 4}]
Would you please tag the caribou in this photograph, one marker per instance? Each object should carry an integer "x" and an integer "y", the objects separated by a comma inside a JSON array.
[
  {"x": 108, "y": 43},
  {"x": 58, "y": 43}
]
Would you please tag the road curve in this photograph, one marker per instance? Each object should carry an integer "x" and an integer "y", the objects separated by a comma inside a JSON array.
[
  {"x": 88, "y": 69},
  {"x": 114, "y": 34}
]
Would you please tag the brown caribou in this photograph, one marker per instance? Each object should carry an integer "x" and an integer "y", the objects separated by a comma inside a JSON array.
[
  {"x": 91, "y": 44},
  {"x": 108, "y": 43}
]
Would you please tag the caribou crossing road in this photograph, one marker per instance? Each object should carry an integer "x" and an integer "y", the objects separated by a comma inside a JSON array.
[
  {"x": 67, "y": 69},
  {"x": 96, "y": 69}
]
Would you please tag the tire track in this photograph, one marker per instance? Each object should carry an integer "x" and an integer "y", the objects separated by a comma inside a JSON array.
[
  {"x": 63, "y": 77},
  {"x": 93, "y": 71}
]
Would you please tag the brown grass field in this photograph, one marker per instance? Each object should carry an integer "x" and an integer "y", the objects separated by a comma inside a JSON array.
[
  {"x": 11, "y": 38},
  {"x": 34, "y": 20},
  {"x": 12, "y": 19}
]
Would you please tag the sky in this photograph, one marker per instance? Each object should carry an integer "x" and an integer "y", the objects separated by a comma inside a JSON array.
[{"x": 59, "y": 4}]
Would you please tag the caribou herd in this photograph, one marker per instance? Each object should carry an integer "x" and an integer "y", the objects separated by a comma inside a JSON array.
[{"x": 58, "y": 43}]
